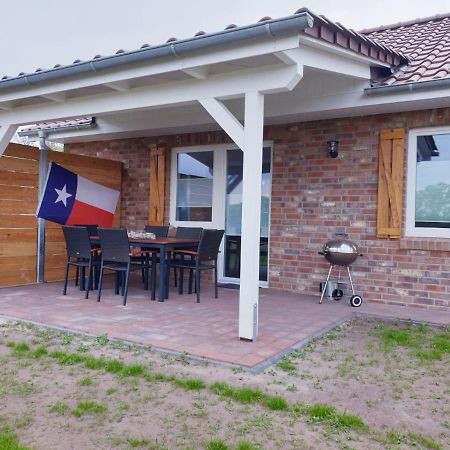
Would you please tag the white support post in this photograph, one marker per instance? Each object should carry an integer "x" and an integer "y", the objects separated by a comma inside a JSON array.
[
  {"x": 251, "y": 215},
  {"x": 6, "y": 134}
]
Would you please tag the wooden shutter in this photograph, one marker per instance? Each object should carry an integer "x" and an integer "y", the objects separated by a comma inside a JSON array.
[
  {"x": 157, "y": 179},
  {"x": 390, "y": 183}
]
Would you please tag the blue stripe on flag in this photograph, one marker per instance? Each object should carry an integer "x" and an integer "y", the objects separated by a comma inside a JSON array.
[{"x": 59, "y": 194}]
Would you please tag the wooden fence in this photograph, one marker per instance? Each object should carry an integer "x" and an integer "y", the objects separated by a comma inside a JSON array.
[{"x": 18, "y": 202}]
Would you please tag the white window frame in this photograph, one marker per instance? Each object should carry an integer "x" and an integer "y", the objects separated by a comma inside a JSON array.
[{"x": 410, "y": 229}]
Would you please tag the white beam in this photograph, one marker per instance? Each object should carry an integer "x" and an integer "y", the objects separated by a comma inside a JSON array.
[
  {"x": 59, "y": 97},
  {"x": 200, "y": 73},
  {"x": 6, "y": 134},
  {"x": 121, "y": 86},
  {"x": 222, "y": 115},
  {"x": 6, "y": 106},
  {"x": 230, "y": 85},
  {"x": 251, "y": 215}
]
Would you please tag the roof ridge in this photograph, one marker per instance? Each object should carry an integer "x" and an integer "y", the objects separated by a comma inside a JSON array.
[{"x": 406, "y": 23}]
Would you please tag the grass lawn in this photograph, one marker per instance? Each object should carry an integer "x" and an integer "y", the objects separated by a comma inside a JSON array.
[{"x": 365, "y": 385}]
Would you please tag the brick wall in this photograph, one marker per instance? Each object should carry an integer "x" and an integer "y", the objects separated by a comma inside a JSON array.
[{"x": 314, "y": 196}]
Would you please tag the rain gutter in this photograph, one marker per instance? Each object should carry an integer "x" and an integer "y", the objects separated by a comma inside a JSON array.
[
  {"x": 409, "y": 87},
  {"x": 269, "y": 28},
  {"x": 61, "y": 129}
]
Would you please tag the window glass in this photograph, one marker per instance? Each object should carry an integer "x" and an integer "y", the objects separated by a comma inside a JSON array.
[
  {"x": 433, "y": 181},
  {"x": 194, "y": 186}
]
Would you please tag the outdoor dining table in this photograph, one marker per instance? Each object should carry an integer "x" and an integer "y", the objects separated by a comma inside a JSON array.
[{"x": 163, "y": 245}]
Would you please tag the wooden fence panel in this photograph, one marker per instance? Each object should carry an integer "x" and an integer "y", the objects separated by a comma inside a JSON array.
[{"x": 18, "y": 203}]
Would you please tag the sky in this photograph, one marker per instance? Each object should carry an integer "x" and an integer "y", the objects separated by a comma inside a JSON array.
[{"x": 40, "y": 34}]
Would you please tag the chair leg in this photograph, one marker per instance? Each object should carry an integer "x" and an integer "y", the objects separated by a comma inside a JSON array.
[
  {"x": 197, "y": 283},
  {"x": 125, "y": 290},
  {"x": 191, "y": 276},
  {"x": 89, "y": 283},
  {"x": 100, "y": 282},
  {"x": 216, "y": 290},
  {"x": 65, "y": 278},
  {"x": 180, "y": 284},
  {"x": 117, "y": 283},
  {"x": 77, "y": 275},
  {"x": 153, "y": 296}
]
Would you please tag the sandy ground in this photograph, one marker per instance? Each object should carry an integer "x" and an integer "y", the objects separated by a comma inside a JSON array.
[{"x": 404, "y": 401}]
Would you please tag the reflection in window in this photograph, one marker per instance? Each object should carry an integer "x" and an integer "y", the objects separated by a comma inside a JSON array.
[
  {"x": 194, "y": 186},
  {"x": 433, "y": 181}
]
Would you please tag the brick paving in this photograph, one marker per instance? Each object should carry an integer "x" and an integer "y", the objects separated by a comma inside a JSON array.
[{"x": 206, "y": 330}]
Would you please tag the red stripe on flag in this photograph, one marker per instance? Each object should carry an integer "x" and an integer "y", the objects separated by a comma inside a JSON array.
[{"x": 83, "y": 213}]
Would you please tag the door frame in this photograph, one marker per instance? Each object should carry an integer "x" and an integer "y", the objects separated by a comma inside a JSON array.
[{"x": 218, "y": 198}]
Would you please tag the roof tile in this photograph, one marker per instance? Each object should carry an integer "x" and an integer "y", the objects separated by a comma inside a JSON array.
[{"x": 426, "y": 42}]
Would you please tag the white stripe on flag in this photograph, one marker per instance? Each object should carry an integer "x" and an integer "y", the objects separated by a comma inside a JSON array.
[{"x": 96, "y": 195}]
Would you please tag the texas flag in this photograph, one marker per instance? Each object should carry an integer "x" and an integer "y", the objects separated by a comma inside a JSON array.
[{"x": 70, "y": 199}]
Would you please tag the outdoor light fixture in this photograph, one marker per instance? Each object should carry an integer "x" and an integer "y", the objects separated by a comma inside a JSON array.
[{"x": 333, "y": 148}]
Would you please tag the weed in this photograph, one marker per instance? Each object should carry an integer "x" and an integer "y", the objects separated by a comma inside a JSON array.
[
  {"x": 90, "y": 408},
  {"x": 82, "y": 348},
  {"x": 10, "y": 344},
  {"x": 23, "y": 421},
  {"x": 39, "y": 352},
  {"x": 86, "y": 381},
  {"x": 245, "y": 445},
  {"x": 9, "y": 440},
  {"x": 217, "y": 445},
  {"x": 138, "y": 442},
  {"x": 287, "y": 365},
  {"x": 111, "y": 391},
  {"x": 247, "y": 395},
  {"x": 292, "y": 388},
  {"x": 276, "y": 403},
  {"x": 123, "y": 406},
  {"x": 59, "y": 408},
  {"x": 222, "y": 389},
  {"x": 114, "y": 365},
  {"x": 102, "y": 339},
  {"x": 191, "y": 384},
  {"x": 67, "y": 339},
  {"x": 133, "y": 370},
  {"x": 21, "y": 348}
]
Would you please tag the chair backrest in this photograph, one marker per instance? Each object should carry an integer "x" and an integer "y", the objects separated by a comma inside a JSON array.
[
  {"x": 91, "y": 228},
  {"x": 189, "y": 232},
  {"x": 158, "y": 231},
  {"x": 208, "y": 248},
  {"x": 78, "y": 244},
  {"x": 114, "y": 244}
]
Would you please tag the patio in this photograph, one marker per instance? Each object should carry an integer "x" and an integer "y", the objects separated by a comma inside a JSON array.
[{"x": 206, "y": 330}]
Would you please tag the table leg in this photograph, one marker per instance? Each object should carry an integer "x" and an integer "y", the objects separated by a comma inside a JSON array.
[{"x": 162, "y": 274}]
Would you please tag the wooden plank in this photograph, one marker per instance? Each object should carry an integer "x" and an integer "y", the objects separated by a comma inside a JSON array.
[
  {"x": 83, "y": 161},
  {"x": 398, "y": 152},
  {"x": 23, "y": 235},
  {"x": 18, "y": 178},
  {"x": 11, "y": 163},
  {"x": 11, "y": 263},
  {"x": 55, "y": 274},
  {"x": 15, "y": 278},
  {"x": 24, "y": 193},
  {"x": 383, "y": 195},
  {"x": 396, "y": 133},
  {"x": 18, "y": 248},
  {"x": 18, "y": 221},
  {"x": 156, "y": 186},
  {"x": 22, "y": 151},
  {"x": 17, "y": 207}
]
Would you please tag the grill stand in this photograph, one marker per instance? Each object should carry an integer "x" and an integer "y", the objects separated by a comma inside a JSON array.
[{"x": 355, "y": 300}]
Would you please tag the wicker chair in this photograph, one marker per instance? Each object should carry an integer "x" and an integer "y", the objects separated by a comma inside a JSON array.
[
  {"x": 117, "y": 256},
  {"x": 80, "y": 255},
  {"x": 202, "y": 258}
]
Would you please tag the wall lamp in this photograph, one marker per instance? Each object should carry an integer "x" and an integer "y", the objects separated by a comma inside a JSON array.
[{"x": 332, "y": 147}]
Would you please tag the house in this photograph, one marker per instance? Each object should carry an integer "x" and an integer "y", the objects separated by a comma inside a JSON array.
[{"x": 280, "y": 90}]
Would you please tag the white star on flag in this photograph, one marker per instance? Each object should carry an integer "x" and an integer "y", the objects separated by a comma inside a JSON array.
[{"x": 63, "y": 195}]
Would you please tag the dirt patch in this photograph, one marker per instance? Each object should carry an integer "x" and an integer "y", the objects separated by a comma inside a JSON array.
[{"x": 59, "y": 390}]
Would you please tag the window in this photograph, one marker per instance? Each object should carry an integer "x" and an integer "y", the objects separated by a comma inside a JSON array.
[
  {"x": 428, "y": 189},
  {"x": 195, "y": 172}
]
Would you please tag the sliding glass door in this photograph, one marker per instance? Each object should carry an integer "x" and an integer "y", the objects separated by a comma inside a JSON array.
[{"x": 206, "y": 191}]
